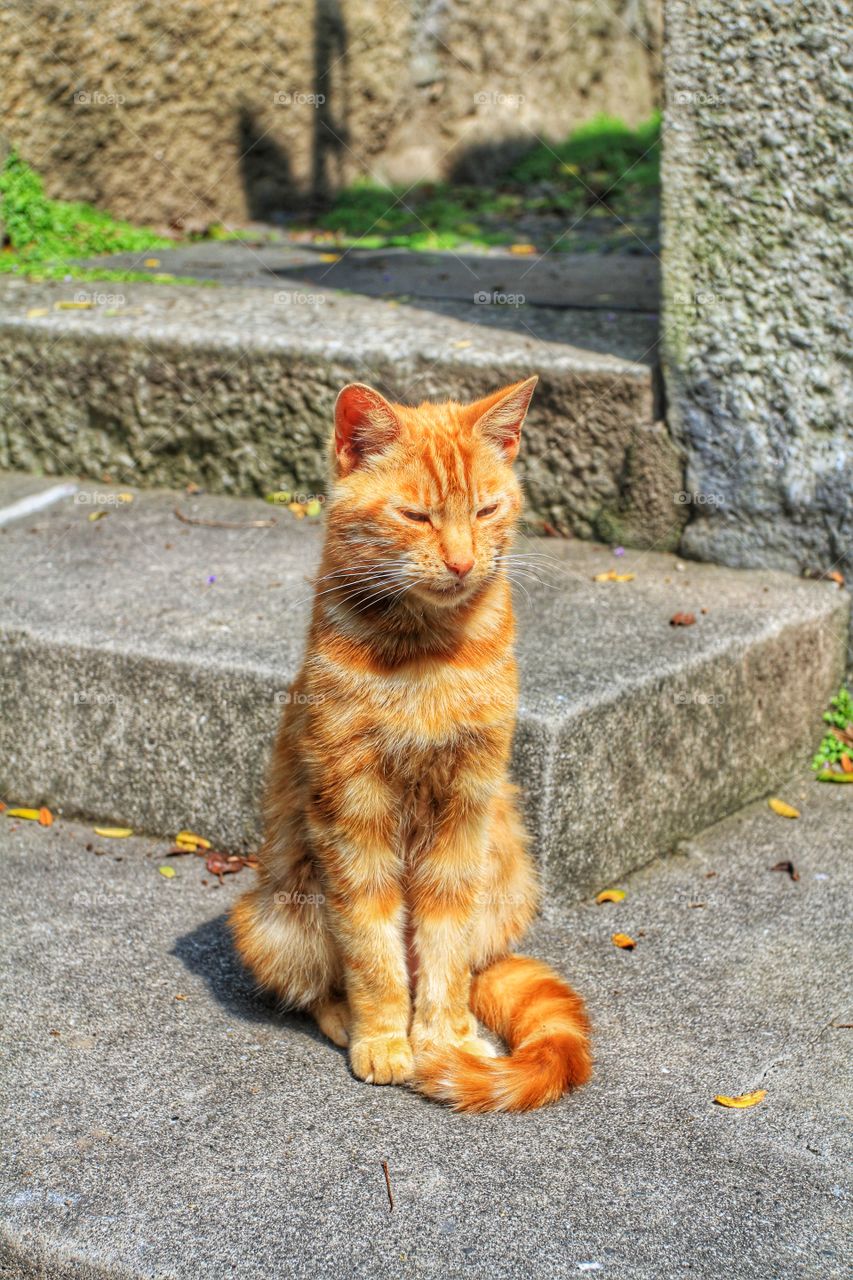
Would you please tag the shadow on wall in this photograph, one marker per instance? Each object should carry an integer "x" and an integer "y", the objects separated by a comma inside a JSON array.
[
  {"x": 331, "y": 86},
  {"x": 265, "y": 169}
]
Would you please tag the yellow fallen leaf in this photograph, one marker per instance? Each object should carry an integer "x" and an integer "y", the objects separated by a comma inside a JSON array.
[
  {"x": 612, "y": 576},
  {"x": 330, "y": 257},
  {"x": 71, "y": 304},
  {"x": 298, "y": 509},
  {"x": 522, "y": 248},
  {"x": 190, "y": 838},
  {"x": 97, "y": 515},
  {"x": 784, "y": 810},
  {"x": 465, "y": 342},
  {"x": 32, "y": 815},
  {"x": 124, "y": 497},
  {"x": 35, "y": 313},
  {"x": 624, "y": 941},
  {"x": 168, "y": 872},
  {"x": 281, "y": 497},
  {"x": 610, "y": 895},
  {"x": 151, "y": 262},
  {"x": 45, "y": 817},
  {"x": 314, "y": 508},
  {"x": 742, "y": 1100},
  {"x": 113, "y": 833}
]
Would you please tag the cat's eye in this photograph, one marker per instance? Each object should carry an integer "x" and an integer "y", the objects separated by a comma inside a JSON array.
[
  {"x": 419, "y": 517},
  {"x": 487, "y": 511}
]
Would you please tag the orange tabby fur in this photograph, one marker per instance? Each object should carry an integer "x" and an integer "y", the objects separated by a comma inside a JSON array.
[{"x": 394, "y": 876}]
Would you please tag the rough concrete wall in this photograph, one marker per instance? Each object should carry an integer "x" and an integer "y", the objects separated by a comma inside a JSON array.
[
  {"x": 756, "y": 129},
  {"x": 200, "y": 111}
]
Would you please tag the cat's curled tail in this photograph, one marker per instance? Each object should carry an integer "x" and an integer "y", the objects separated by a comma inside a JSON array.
[{"x": 544, "y": 1024}]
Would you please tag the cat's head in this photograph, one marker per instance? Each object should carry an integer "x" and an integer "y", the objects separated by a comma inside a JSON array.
[{"x": 425, "y": 498}]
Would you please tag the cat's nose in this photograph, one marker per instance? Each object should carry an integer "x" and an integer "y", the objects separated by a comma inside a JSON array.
[{"x": 461, "y": 567}]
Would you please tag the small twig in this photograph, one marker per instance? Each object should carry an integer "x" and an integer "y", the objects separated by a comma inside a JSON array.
[
  {"x": 225, "y": 524},
  {"x": 388, "y": 1185}
]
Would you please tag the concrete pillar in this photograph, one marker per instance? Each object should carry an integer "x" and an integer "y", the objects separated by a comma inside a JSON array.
[{"x": 757, "y": 124}]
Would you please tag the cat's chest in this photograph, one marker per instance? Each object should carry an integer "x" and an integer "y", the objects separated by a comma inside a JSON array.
[{"x": 435, "y": 706}]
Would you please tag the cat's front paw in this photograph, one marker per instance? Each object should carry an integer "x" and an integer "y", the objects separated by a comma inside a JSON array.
[
  {"x": 429, "y": 1040},
  {"x": 382, "y": 1059}
]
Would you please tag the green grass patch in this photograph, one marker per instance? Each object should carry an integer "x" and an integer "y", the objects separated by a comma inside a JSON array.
[
  {"x": 44, "y": 235},
  {"x": 839, "y": 716},
  {"x": 603, "y": 168}
]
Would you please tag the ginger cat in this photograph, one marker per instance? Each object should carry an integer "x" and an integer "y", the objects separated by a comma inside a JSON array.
[{"x": 394, "y": 876}]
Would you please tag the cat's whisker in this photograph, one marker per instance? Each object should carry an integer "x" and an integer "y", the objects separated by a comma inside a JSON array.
[
  {"x": 516, "y": 583},
  {"x": 365, "y": 583},
  {"x": 395, "y": 589}
]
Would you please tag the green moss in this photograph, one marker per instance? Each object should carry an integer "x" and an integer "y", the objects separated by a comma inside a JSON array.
[
  {"x": 604, "y": 167},
  {"x": 839, "y": 716},
  {"x": 45, "y": 235}
]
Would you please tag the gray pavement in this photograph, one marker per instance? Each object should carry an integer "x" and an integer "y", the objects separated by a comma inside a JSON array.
[{"x": 150, "y": 1136}]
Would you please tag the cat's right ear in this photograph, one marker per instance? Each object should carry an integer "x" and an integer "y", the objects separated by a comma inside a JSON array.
[{"x": 365, "y": 423}]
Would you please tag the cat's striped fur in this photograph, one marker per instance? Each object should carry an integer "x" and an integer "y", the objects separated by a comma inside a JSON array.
[{"x": 394, "y": 876}]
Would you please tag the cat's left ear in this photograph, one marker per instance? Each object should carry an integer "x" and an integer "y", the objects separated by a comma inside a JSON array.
[
  {"x": 499, "y": 418},
  {"x": 365, "y": 423}
]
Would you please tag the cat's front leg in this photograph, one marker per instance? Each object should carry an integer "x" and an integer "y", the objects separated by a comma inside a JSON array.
[
  {"x": 352, "y": 831},
  {"x": 444, "y": 896}
]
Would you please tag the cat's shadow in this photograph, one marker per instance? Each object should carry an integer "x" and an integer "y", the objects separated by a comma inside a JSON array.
[{"x": 208, "y": 953}]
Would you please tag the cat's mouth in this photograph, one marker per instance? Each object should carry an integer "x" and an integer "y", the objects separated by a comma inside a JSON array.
[{"x": 448, "y": 593}]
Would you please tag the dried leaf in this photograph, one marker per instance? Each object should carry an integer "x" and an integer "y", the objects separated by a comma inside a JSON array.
[
  {"x": 682, "y": 620},
  {"x": 223, "y": 864},
  {"x": 624, "y": 941},
  {"x": 825, "y": 575},
  {"x": 610, "y": 895},
  {"x": 330, "y": 257},
  {"x": 168, "y": 872},
  {"x": 97, "y": 515},
  {"x": 45, "y": 817},
  {"x": 113, "y": 833},
  {"x": 784, "y": 810},
  {"x": 846, "y": 762},
  {"x": 31, "y": 815},
  {"x": 789, "y": 868},
  {"x": 522, "y": 248},
  {"x": 612, "y": 576},
  {"x": 190, "y": 838},
  {"x": 742, "y": 1100}
]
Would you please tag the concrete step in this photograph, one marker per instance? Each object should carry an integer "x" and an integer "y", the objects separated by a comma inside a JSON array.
[
  {"x": 163, "y": 1121},
  {"x": 233, "y": 385},
  {"x": 144, "y": 662}
]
